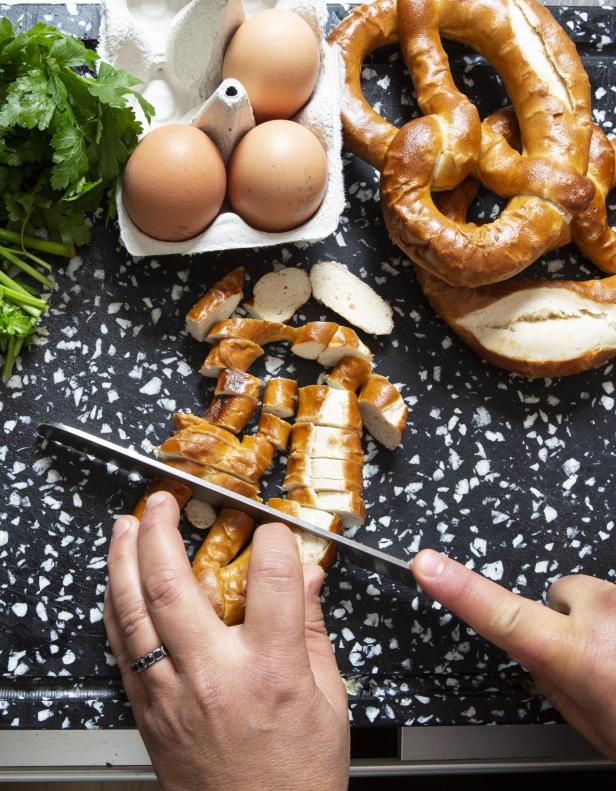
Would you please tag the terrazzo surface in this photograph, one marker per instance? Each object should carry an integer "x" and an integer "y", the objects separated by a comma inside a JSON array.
[{"x": 513, "y": 478}]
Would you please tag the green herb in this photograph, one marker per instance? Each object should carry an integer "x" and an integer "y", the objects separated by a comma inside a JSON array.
[{"x": 65, "y": 133}]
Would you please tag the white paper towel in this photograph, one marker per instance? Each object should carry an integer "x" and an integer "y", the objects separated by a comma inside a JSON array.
[{"x": 176, "y": 48}]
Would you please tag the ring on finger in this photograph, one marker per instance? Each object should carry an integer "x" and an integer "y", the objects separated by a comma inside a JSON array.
[{"x": 149, "y": 659}]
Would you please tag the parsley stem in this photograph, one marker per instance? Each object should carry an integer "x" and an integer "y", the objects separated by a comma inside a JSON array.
[
  {"x": 42, "y": 245},
  {"x": 12, "y": 256},
  {"x": 24, "y": 299}
]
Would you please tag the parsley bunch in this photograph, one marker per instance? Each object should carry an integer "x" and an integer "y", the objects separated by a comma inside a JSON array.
[{"x": 65, "y": 133}]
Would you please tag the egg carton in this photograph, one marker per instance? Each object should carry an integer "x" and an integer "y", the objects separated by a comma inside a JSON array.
[{"x": 176, "y": 49}]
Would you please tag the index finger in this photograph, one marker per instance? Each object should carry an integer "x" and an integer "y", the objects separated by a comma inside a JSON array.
[
  {"x": 181, "y": 611},
  {"x": 530, "y": 633}
]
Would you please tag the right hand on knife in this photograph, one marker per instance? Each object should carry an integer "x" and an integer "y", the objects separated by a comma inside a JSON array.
[
  {"x": 241, "y": 708},
  {"x": 568, "y": 646}
]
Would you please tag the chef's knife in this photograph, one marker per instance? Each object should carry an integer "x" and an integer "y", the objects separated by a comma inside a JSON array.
[{"x": 131, "y": 461}]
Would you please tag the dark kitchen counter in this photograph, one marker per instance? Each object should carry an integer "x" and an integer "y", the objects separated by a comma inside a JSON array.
[{"x": 513, "y": 478}]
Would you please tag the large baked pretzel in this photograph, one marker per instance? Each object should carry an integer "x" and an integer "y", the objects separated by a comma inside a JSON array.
[
  {"x": 550, "y": 92},
  {"x": 505, "y": 322}
]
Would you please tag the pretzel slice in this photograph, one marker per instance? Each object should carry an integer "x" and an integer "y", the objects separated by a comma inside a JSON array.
[
  {"x": 326, "y": 442},
  {"x": 312, "y": 549},
  {"x": 383, "y": 411},
  {"x": 336, "y": 475},
  {"x": 325, "y": 406},
  {"x": 280, "y": 397},
  {"x": 236, "y": 353},
  {"x": 230, "y": 412},
  {"x": 217, "y": 304},
  {"x": 344, "y": 343},
  {"x": 216, "y": 477},
  {"x": 312, "y": 339},
  {"x": 255, "y": 330},
  {"x": 180, "y": 491},
  {"x": 274, "y": 429},
  {"x": 349, "y": 506},
  {"x": 238, "y": 383},
  {"x": 349, "y": 374}
]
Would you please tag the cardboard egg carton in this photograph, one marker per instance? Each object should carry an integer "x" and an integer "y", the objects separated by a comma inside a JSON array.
[{"x": 176, "y": 48}]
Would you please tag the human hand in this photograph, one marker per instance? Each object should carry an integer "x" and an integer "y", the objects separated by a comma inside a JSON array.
[
  {"x": 568, "y": 646},
  {"x": 257, "y": 706}
]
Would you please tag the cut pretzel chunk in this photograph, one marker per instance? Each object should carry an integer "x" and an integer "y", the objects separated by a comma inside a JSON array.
[
  {"x": 226, "y": 538},
  {"x": 238, "y": 383},
  {"x": 200, "y": 514},
  {"x": 537, "y": 328},
  {"x": 255, "y": 330},
  {"x": 312, "y": 339},
  {"x": 343, "y": 292},
  {"x": 236, "y": 353},
  {"x": 263, "y": 449},
  {"x": 344, "y": 343},
  {"x": 280, "y": 397},
  {"x": 349, "y": 506},
  {"x": 230, "y": 412},
  {"x": 186, "y": 420},
  {"x": 277, "y": 296},
  {"x": 179, "y": 490},
  {"x": 325, "y": 406},
  {"x": 217, "y": 304},
  {"x": 217, "y": 477},
  {"x": 326, "y": 442},
  {"x": 383, "y": 411},
  {"x": 349, "y": 374},
  {"x": 205, "y": 449},
  {"x": 312, "y": 549},
  {"x": 274, "y": 429},
  {"x": 336, "y": 475}
]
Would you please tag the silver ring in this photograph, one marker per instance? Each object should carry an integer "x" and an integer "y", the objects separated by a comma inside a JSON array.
[{"x": 147, "y": 660}]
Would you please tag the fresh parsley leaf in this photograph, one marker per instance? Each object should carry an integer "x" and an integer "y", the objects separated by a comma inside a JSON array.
[
  {"x": 70, "y": 157},
  {"x": 28, "y": 102},
  {"x": 112, "y": 85}
]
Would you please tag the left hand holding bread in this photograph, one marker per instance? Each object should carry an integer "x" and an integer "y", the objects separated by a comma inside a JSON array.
[{"x": 272, "y": 682}]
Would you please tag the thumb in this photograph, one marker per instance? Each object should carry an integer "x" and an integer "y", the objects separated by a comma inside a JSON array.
[{"x": 320, "y": 651}]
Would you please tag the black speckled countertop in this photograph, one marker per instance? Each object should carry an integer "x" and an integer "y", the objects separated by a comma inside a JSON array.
[{"x": 513, "y": 478}]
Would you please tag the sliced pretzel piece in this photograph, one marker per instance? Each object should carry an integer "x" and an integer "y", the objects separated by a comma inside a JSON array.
[
  {"x": 325, "y": 406},
  {"x": 277, "y": 296},
  {"x": 200, "y": 514},
  {"x": 263, "y": 449},
  {"x": 236, "y": 353},
  {"x": 349, "y": 506},
  {"x": 233, "y": 581},
  {"x": 344, "y": 343},
  {"x": 186, "y": 420},
  {"x": 336, "y": 475},
  {"x": 537, "y": 328},
  {"x": 274, "y": 429},
  {"x": 230, "y": 412},
  {"x": 349, "y": 374},
  {"x": 352, "y": 298},
  {"x": 312, "y": 549},
  {"x": 280, "y": 397},
  {"x": 226, "y": 538},
  {"x": 255, "y": 330},
  {"x": 205, "y": 449},
  {"x": 326, "y": 442},
  {"x": 216, "y": 477},
  {"x": 180, "y": 492},
  {"x": 383, "y": 411},
  {"x": 216, "y": 304},
  {"x": 238, "y": 383},
  {"x": 312, "y": 339}
]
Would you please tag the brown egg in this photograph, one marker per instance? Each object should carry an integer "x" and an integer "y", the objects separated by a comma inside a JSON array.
[
  {"x": 277, "y": 176},
  {"x": 174, "y": 183},
  {"x": 275, "y": 55}
]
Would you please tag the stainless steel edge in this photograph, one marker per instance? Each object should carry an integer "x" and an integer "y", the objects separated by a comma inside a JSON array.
[{"x": 64, "y": 755}]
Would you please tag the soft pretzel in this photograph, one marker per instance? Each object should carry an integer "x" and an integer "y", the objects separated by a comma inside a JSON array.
[
  {"x": 255, "y": 330},
  {"x": 539, "y": 328},
  {"x": 326, "y": 442},
  {"x": 180, "y": 491},
  {"x": 326, "y": 406},
  {"x": 215, "y": 476},
  {"x": 334, "y": 475},
  {"x": 383, "y": 411},
  {"x": 311, "y": 548},
  {"x": 550, "y": 91},
  {"x": 274, "y": 429},
  {"x": 238, "y": 383},
  {"x": 312, "y": 339},
  {"x": 230, "y": 412},
  {"x": 349, "y": 374}
]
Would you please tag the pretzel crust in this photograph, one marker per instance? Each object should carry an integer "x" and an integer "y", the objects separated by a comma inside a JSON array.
[{"x": 439, "y": 150}]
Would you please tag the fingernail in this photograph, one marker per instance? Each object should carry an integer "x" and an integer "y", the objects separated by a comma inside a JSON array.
[
  {"x": 315, "y": 579},
  {"x": 120, "y": 527},
  {"x": 429, "y": 563},
  {"x": 155, "y": 499}
]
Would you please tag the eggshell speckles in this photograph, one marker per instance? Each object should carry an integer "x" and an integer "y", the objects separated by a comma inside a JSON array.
[
  {"x": 277, "y": 176},
  {"x": 174, "y": 183}
]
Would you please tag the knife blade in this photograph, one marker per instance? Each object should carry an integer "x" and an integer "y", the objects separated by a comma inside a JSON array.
[{"x": 358, "y": 554}]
